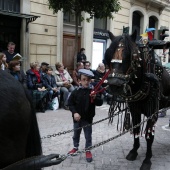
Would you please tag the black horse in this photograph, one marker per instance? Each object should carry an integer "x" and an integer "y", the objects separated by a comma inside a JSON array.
[
  {"x": 19, "y": 133},
  {"x": 140, "y": 85}
]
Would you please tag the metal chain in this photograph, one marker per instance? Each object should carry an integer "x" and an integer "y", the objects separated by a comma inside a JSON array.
[
  {"x": 69, "y": 131},
  {"x": 112, "y": 138}
]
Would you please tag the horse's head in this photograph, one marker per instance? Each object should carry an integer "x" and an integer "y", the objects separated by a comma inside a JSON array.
[{"x": 123, "y": 59}]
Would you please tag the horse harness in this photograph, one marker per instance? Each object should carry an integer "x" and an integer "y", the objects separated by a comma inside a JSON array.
[{"x": 153, "y": 74}]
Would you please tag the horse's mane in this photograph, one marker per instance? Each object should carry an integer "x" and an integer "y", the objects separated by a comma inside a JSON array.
[{"x": 129, "y": 47}]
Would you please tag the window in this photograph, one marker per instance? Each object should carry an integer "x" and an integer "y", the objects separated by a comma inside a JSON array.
[
  {"x": 10, "y": 5},
  {"x": 100, "y": 23},
  {"x": 152, "y": 24},
  {"x": 136, "y": 22},
  {"x": 70, "y": 18}
]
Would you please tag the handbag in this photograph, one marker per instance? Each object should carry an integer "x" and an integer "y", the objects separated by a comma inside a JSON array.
[{"x": 55, "y": 103}]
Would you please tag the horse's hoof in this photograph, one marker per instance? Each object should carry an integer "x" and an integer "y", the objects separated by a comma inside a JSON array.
[
  {"x": 132, "y": 155},
  {"x": 146, "y": 165}
]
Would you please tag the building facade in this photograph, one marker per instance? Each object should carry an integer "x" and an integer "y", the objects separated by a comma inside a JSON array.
[{"x": 41, "y": 35}]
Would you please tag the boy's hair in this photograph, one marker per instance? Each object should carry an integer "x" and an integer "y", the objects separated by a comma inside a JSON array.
[
  {"x": 87, "y": 62},
  {"x": 11, "y": 43},
  {"x": 48, "y": 68},
  {"x": 13, "y": 64}
]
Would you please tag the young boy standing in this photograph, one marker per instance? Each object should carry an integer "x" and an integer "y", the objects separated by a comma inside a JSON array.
[{"x": 82, "y": 105}]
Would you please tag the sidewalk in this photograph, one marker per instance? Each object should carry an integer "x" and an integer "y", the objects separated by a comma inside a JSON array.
[{"x": 110, "y": 156}]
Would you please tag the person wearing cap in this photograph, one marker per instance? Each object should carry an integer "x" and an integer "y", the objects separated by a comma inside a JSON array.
[
  {"x": 82, "y": 105},
  {"x": 43, "y": 68}
]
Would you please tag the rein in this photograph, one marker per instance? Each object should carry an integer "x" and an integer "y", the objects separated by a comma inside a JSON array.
[{"x": 96, "y": 88}]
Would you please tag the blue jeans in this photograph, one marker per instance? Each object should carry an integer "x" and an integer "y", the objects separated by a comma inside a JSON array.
[
  {"x": 53, "y": 94},
  {"x": 87, "y": 133},
  {"x": 66, "y": 92}
]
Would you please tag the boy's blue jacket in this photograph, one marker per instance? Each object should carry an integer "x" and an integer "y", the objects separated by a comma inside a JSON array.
[{"x": 80, "y": 102}]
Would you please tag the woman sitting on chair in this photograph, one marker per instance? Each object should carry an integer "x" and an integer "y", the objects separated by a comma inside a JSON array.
[
  {"x": 36, "y": 85},
  {"x": 64, "y": 80}
]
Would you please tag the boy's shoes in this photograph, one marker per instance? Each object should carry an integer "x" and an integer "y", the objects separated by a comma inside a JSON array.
[
  {"x": 88, "y": 156},
  {"x": 73, "y": 151}
]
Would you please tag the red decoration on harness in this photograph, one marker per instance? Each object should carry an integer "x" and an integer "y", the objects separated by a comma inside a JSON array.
[{"x": 95, "y": 90}]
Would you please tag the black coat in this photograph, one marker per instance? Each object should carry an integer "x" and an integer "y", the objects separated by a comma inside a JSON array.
[
  {"x": 49, "y": 83},
  {"x": 81, "y": 57},
  {"x": 80, "y": 102},
  {"x": 21, "y": 76}
]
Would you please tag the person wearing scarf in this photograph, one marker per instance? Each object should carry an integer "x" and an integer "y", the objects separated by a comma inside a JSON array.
[
  {"x": 36, "y": 86},
  {"x": 63, "y": 80}
]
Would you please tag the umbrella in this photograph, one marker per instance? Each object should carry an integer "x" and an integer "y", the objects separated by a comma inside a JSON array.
[{"x": 150, "y": 29}]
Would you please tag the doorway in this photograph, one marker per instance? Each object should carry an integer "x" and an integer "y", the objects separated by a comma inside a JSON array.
[
  {"x": 9, "y": 31},
  {"x": 69, "y": 51}
]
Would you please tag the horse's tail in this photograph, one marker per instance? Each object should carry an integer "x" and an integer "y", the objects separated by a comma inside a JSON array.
[{"x": 33, "y": 141}]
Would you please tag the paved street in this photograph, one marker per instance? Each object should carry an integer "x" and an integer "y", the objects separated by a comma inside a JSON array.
[{"x": 110, "y": 156}]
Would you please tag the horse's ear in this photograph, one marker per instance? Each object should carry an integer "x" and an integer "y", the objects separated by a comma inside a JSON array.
[
  {"x": 111, "y": 36},
  {"x": 134, "y": 35}
]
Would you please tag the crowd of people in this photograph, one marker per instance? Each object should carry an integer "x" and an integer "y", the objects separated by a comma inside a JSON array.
[{"x": 43, "y": 85}]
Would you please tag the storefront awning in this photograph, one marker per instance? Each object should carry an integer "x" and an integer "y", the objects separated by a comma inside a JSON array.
[{"x": 29, "y": 18}]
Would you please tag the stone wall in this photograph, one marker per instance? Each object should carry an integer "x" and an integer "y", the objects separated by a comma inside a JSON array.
[{"x": 43, "y": 33}]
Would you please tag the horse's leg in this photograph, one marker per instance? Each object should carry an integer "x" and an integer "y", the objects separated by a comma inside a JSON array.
[
  {"x": 133, "y": 153},
  {"x": 149, "y": 136}
]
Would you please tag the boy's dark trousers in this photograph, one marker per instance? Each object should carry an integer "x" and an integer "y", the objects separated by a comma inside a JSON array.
[{"x": 87, "y": 133}]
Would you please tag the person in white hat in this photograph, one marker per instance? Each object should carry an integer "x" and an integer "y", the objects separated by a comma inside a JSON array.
[{"x": 82, "y": 105}]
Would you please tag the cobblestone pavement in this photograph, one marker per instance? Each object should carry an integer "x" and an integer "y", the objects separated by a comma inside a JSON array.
[{"x": 110, "y": 156}]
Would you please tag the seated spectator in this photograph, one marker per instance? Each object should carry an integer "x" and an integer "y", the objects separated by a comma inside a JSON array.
[
  {"x": 43, "y": 68},
  {"x": 81, "y": 57},
  {"x": 87, "y": 65},
  {"x": 35, "y": 84},
  {"x": 75, "y": 76},
  {"x": 98, "y": 75},
  {"x": 50, "y": 84},
  {"x": 63, "y": 80},
  {"x": 14, "y": 70},
  {"x": 3, "y": 64}
]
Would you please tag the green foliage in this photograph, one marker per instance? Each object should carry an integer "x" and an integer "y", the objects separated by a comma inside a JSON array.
[{"x": 96, "y": 8}]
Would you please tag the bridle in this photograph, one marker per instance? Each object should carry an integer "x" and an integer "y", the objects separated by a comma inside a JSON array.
[{"x": 127, "y": 79}]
